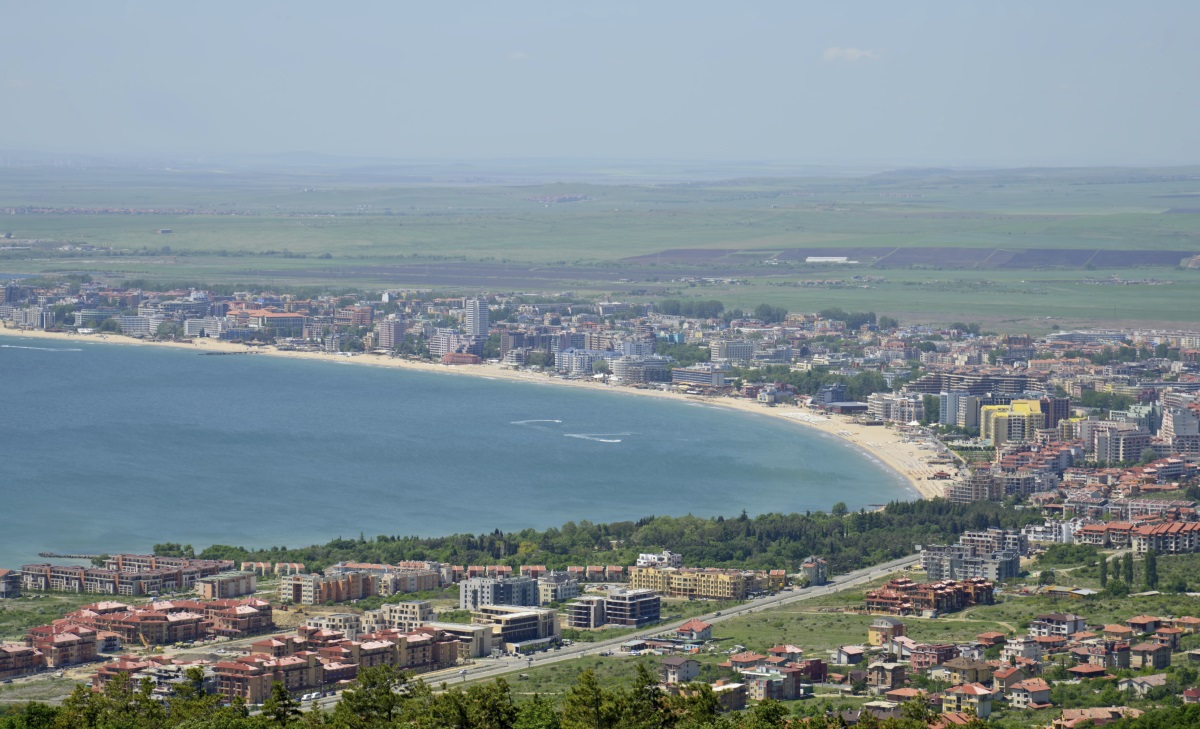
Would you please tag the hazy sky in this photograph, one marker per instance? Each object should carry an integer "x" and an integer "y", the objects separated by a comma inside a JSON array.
[{"x": 895, "y": 82}]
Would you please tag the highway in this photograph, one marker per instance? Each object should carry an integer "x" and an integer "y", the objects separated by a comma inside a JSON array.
[{"x": 493, "y": 667}]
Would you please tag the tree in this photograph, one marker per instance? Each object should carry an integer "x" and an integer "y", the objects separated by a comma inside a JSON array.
[
  {"x": 600, "y": 367},
  {"x": 492, "y": 706},
  {"x": 587, "y": 705},
  {"x": 1148, "y": 455},
  {"x": 1150, "y": 568},
  {"x": 537, "y": 713},
  {"x": 280, "y": 708},
  {"x": 933, "y": 408},
  {"x": 1103, "y": 572},
  {"x": 1047, "y": 577},
  {"x": 839, "y": 509},
  {"x": 375, "y": 698},
  {"x": 1127, "y": 568}
]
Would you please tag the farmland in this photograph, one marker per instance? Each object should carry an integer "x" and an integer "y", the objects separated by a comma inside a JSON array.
[{"x": 1009, "y": 248}]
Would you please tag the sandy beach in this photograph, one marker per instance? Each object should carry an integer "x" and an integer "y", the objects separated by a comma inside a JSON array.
[{"x": 886, "y": 445}]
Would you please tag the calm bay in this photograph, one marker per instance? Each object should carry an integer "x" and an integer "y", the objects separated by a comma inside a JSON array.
[{"x": 106, "y": 447}]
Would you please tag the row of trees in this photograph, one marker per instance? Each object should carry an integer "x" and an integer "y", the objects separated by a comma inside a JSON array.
[
  {"x": 769, "y": 541},
  {"x": 383, "y": 697},
  {"x": 808, "y": 382}
]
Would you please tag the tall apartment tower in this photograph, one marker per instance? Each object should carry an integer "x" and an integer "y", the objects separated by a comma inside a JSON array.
[
  {"x": 476, "y": 324},
  {"x": 391, "y": 332}
]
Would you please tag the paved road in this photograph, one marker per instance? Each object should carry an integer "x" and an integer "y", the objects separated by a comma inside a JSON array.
[{"x": 492, "y": 667}]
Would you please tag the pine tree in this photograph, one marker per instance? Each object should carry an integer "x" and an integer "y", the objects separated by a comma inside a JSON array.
[
  {"x": 280, "y": 707},
  {"x": 1127, "y": 568},
  {"x": 1103, "y": 572}
]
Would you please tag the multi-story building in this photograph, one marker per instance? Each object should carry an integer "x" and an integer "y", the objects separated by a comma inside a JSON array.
[
  {"x": 705, "y": 376},
  {"x": 477, "y": 592},
  {"x": 10, "y": 584},
  {"x": 19, "y": 660},
  {"x": 402, "y": 616},
  {"x": 475, "y": 641},
  {"x": 226, "y": 585},
  {"x": 692, "y": 583},
  {"x": 63, "y": 645},
  {"x": 517, "y": 628},
  {"x": 632, "y": 607},
  {"x": 1058, "y": 625},
  {"x": 815, "y": 570},
  {"x": 1015, "y": 422},
  {"x": 979, "y": 486},
  {"x": 724, "y": 350},
  {"x": 312, "y": 589},
  {"x": 475, "y": 318},
  {"x": 1172, "y": 537},
  {"x": 666, "y": 559},
  {"x": 556, "y": 587},
  {"x": 390, "y": 333},
  {"x": 895, "y": 408},
  {"x": 586, "y": 612}
]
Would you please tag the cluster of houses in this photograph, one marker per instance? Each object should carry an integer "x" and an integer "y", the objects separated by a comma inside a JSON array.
[
  {"x": 1015, "y": 678},
  {"x": 978, "y": 677},
  {"x": 105, "y": 627}
]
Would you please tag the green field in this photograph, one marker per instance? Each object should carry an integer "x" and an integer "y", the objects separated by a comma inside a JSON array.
[{"x": 945, "y": 244}]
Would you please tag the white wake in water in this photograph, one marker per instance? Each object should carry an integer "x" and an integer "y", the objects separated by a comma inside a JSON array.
[
  {"x": 527, "y": 422},
  {"x": 597, "y": 437},
  {"x": 41, "y": 349}
]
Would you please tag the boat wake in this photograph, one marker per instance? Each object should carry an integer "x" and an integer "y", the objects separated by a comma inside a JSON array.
[
  {"x": 41, "y": 349},
  {"x": 527, "y": 422},
  {"x": 597, "y": 437}
]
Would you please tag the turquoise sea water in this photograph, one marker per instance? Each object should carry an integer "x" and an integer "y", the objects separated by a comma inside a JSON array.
[{"x": 106, "y": 447}]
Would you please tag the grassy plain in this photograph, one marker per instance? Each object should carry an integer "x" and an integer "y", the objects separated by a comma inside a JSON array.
[{"x": 448, "y": 230}]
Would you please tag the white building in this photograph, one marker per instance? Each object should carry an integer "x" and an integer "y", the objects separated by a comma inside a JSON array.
[
  {"x": 475, "y": 320},
  {"x": 666, "y": 559}
]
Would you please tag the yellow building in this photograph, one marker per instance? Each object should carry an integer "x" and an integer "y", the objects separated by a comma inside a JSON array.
[
  {"x": 1011, "y": 423},
  {"x": 692, "y": 584}
]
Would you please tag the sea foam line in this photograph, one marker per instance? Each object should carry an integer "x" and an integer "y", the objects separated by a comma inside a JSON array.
[
  {"x": 596, "y": 437},
  {"x": 41, "y": 349}
]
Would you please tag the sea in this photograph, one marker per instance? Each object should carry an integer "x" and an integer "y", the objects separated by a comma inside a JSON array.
[{"x": 107, "y": 447}]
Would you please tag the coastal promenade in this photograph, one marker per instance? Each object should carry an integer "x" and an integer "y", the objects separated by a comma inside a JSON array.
[{"x": 885, "y": 445}]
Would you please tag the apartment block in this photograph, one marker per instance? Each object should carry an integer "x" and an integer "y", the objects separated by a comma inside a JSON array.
[
  {"x": 403, "y": 616},
  {"x": 477, "y": 592},
  {"x": 635, "y": 607},
  {"x": 693, "y": 583},
  {"x": 516, "y": 628},
  {"x": 63, "y": 645},
  {"x": 226, "y": 585},
  {"x": 312, "y": 589},
  {"x": 556, "y": 587},
  {"x": 586, "y": 612},
  {"x": 19, "y": 660}
]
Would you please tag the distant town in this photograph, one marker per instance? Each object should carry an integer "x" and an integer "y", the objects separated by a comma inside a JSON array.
[{"x": 1093, "y": 436}]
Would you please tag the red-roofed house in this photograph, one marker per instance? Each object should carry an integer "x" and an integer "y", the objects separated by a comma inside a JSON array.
[
  {"x": 1032, "y": 693},
  {"x": 694, "y": 630}
]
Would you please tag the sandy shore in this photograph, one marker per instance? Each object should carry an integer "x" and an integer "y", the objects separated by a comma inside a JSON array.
[{"x": 885, "y": 445}]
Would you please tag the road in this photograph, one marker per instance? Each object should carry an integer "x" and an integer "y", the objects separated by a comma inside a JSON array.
[{"x": 493, "y": 667}]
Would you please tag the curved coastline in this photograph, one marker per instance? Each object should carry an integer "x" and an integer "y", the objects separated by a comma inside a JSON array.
[{"x": 883, "y": 445}]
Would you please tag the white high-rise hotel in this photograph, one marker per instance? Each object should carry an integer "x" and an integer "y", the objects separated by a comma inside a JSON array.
[{"x": 476, "y": 323}]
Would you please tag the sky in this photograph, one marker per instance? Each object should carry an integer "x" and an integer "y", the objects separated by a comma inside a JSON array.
[{"x": 911, "y": 83}]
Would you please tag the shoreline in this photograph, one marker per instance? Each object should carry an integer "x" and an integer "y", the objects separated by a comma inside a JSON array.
[{"x": 881, "y": 444}]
